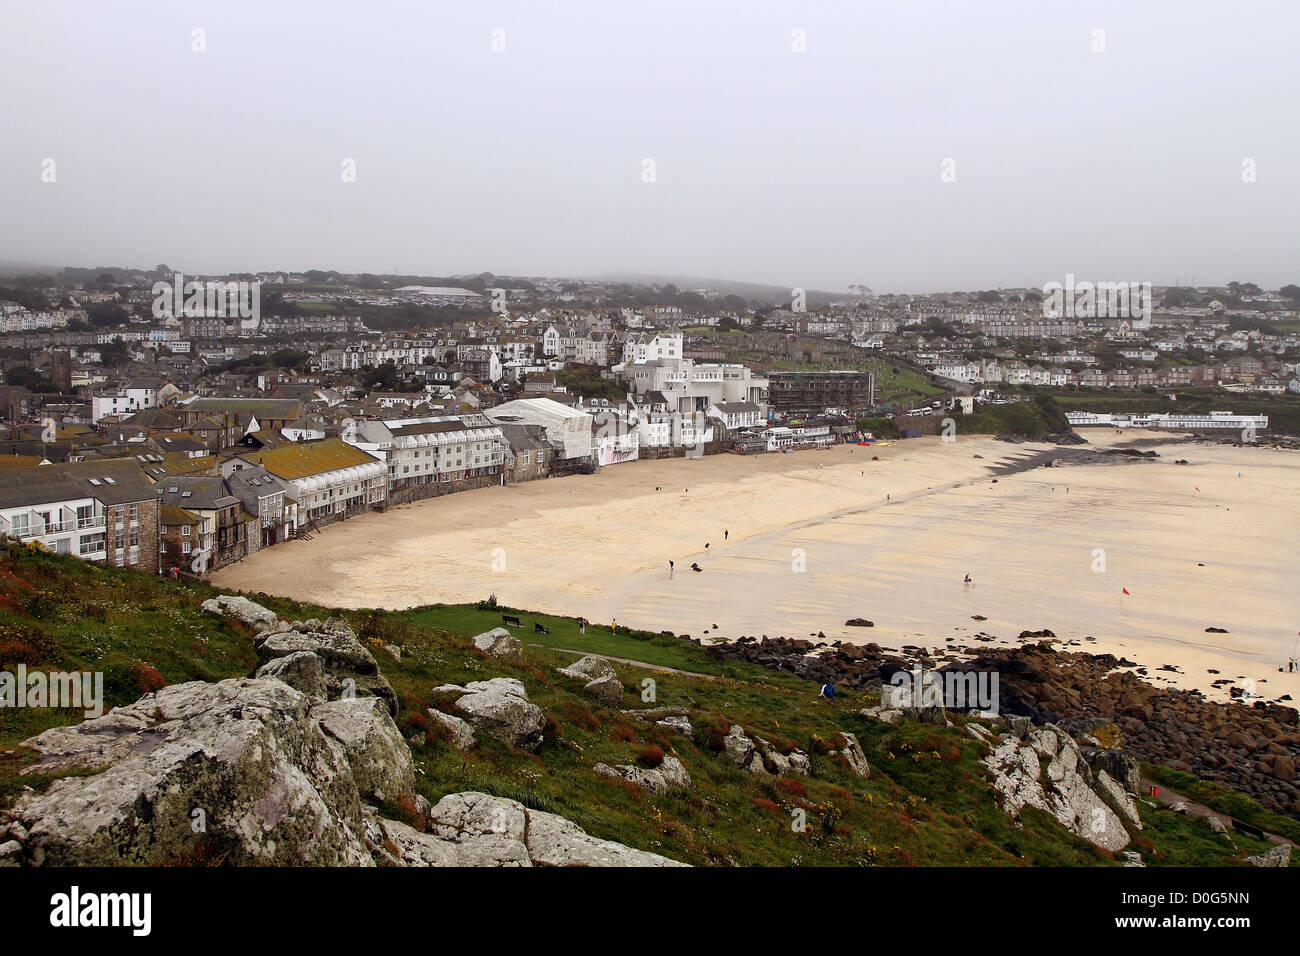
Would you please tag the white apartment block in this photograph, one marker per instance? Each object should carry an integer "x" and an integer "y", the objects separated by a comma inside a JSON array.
[
  {"x": 688, "y": 387},
  {"x": 665, "y": 346},
  {"x": 433, "y": 448}
]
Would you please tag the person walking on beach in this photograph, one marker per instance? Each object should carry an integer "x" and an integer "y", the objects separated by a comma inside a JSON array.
[
  {"x": 725, "y": 534},
  {"x": 670, "y": 565}
]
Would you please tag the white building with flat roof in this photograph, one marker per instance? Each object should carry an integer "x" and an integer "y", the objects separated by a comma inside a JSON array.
[{"x": 1169, "y": 420}]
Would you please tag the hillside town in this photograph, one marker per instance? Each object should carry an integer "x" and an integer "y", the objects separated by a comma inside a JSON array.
[{"x": 177, "y": 424}]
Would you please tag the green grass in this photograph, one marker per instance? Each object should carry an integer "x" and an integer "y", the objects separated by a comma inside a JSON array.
[
  {"x": 928, "y": 800},
  {"x": 1223, "y": 800},
  {"x": 634, "y": 645}
]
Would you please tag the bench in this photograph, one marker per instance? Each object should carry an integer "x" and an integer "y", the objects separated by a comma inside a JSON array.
[
  {"x": 540, "y": 628},
  {"x": 511, "y": 619},
  {"x": 1247, "y": 829}
]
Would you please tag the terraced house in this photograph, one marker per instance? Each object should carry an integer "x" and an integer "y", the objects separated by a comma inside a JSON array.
[
  {"x": 207, "y": 497},
  {"x": 329, "y": 480},
  {"x": 99, "y": 511},
  {"x": 263, "y": 496},
  {"x": 184, "y": 537},
  {"x": 237, "y": 417},
  {"x": 434, "y": 455}
]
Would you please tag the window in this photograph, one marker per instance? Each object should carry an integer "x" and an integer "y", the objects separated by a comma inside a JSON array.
[
  {"x": 185, "y": 547},
  {"x": 185, "y": 531}
]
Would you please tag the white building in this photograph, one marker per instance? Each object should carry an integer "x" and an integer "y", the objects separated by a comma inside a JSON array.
[
  {"x": 569, "y": 427},
  {"x": 737, "y": 414},
  {"x": 665, "y": 346},
  {"x": 329, "y": 479},
  {"x": 1225, "y": 420},
  {"x": 129, "y": 399},
  {"x": 430, "y": 449}
]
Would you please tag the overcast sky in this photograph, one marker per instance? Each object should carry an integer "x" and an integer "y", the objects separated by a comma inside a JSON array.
[{"x": 814, "y": 169}]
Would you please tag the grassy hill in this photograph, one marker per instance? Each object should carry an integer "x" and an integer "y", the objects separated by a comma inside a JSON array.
[{"x": 928, "y": 801}]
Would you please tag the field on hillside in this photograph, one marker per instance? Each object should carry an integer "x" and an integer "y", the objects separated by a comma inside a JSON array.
[{"x": 928, "y": 800}]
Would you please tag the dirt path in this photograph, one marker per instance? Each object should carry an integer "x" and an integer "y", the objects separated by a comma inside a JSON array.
[
  {"x": 626, "y": 660},
  {"x": 1167, "y": 796}
]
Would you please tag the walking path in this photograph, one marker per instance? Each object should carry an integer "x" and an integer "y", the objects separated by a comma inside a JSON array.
[
  {"x": 1167, "y": 796},
  {"x": 627, "y": 660}
]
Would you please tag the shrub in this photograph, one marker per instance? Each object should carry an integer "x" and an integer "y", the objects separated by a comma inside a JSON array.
[
  {"x": 791, "y": 786},
  {"x": 650, "y": 756},
  {"x": 14, "y": 652},
  {"x": 148, "y": 679},
  {"x": 579, "y": 715},
  {"x": 712, "y": 728}
]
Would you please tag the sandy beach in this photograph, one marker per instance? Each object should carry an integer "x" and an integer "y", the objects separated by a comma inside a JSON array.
[{"x": 812, "y": 541}]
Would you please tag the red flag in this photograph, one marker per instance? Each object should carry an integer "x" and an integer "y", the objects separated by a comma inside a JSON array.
[
  {"x": 1198, "y": 489},
  {"x": 1125, "y": 590}
]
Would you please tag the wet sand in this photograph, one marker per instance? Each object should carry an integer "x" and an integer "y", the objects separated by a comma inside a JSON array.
[{"x": 814, "y": 542}]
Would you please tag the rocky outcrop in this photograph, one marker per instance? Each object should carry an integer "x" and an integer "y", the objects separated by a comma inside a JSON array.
[
  {"x": 588, "y": 668},
  {"x": 462, "y": 734},
  {"x": 255, "y": 771},
  {"x": 886, "y": 715},
  {"x": 1126, "y": 771},
  {"x": 500, "y": 708},
  {"x": 853, "y": 755},
  {"x": 1248, "y": 747},
  {"x": 608, "y": 688},
  {"x": 667, "y": 776},
  {"x": 241, "y": 609},
  {"x": 758, "y": 756},
  {"x": 370, "y": 744},
  {"x": 1046, "y": 770},
  {"x": 243, "y": 771},
  {"x": 499, "y": 643},
  {"x": 347, "y": 668},
  {"x": 476, "y": 829},
  {"x": 302, "y": 670},
  {"x": 1253, "y": 747},
  {"x": 1280, "y": 855},
  {"x": 680, "y": 724},
  {"x": 601, "y": 680}
]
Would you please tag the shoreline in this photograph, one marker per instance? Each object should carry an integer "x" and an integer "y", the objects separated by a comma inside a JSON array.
[{"x": 598, "y": 546}]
